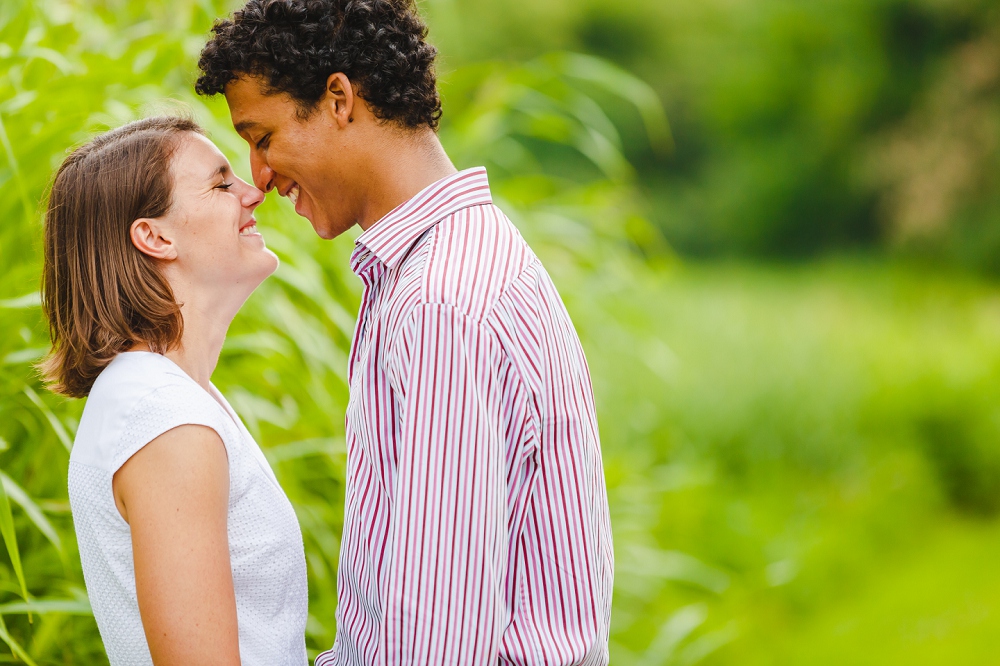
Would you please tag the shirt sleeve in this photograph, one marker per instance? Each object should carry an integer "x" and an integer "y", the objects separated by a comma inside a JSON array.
[
  {"x": 442, "y": 594},
  {"x": 164, "y": 409}
]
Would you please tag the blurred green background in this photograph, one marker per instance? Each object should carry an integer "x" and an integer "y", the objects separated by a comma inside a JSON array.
[{"x": 777, "y": 227}]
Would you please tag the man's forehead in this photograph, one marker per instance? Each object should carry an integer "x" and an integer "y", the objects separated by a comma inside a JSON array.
[
  {"x": 245, "y": 85},
  {"x": 243, "y": 95},
  {"x": 249, "y": 102}
]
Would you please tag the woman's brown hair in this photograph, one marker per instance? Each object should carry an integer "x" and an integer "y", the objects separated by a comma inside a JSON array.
[{"x": 100, "y": 294}]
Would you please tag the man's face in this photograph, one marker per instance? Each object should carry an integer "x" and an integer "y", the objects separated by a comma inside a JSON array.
[{"x": 307, "y": 160}]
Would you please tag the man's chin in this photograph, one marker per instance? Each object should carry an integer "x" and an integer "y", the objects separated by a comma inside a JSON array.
[{"x": 323, "y": 228}]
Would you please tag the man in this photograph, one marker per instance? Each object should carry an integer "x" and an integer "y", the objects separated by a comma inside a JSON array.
[{"x": 476, "y": 526}]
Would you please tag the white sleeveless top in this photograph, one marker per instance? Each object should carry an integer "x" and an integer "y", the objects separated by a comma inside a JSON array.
[{"x": 139, "y": 396}]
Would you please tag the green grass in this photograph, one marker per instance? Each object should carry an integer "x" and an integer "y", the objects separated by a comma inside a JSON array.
[
  {"x": 769, "y": 421},
  {"x": 70, "y": 69},
  {"x": 802, "y": 461}
]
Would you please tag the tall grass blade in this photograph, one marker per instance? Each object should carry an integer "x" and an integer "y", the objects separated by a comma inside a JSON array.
[
  {"x": 10, "y": 540},
  {"x": 32, "y": 510},
  {"x": 46, "y": 606},
  {"x": 31, "y": 300},
  {"x": 14, "y": 646},
  {"x": 672, "y": 633},
  {"x": 22, "y": 188},
  {"x": 620, "y": 82},
  {"x": 704, "y": 646},
  {"x": 53, "y": 420}
]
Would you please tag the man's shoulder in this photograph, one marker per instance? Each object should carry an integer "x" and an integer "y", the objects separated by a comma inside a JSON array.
[{"x": 470, "y": 259}]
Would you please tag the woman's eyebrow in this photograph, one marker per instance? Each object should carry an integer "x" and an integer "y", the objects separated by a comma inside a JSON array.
[{"x": 222, "y": 170}]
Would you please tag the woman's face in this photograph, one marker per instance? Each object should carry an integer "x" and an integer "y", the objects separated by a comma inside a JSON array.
[{"x": 217, "y": 247}]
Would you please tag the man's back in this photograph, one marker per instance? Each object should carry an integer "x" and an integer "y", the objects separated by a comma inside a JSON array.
[{"x": 476, "y": 518}]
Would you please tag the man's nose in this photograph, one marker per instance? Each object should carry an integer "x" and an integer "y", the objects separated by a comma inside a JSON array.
[{"x": 263, "y": 175}]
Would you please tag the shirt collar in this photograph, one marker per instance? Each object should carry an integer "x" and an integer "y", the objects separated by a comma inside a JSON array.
[{"x": 391, "y": 237}]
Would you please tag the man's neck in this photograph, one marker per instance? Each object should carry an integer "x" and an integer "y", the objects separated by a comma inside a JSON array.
[{"x": 401, "y": 170}]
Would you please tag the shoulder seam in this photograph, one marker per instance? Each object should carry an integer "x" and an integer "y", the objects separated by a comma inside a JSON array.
[
  {"x": 391, "y": 350},
  {"x": 151, "y": 394},
  {"x": 481, "y": 319},
  {"x": 433, "y": 240}
]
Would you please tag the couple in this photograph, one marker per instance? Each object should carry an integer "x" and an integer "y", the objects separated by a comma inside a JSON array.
[{"x": 476, "y": 526}]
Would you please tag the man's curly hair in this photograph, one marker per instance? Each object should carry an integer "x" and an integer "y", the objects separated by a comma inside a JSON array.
[{"x": 293, "y": 46}]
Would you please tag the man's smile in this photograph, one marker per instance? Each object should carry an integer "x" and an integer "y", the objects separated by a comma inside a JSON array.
[{"x": 292, "y": 192}]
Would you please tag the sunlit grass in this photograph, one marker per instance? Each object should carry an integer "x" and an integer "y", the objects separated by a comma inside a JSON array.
[
  {"x": 71, "y": 69},
  {"x": 770, "y": 422},
  {"x": 802, "y": 461}
]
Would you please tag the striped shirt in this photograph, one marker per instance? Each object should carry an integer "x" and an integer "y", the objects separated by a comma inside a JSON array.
[{"x": 476, "y": 527}]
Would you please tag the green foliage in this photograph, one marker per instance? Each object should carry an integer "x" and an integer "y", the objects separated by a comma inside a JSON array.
[
  {"x": 71, "y": 70},
  {"x": 800, "y": 127},
  {"x": 801, "y": 462},
  {"x": 772, "y": 422},
  {"x": 936, "y": 169},
  {"x": 961, "y": 441}
]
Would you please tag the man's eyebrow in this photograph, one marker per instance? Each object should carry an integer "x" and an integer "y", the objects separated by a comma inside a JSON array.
[{"x": 245, "y": 125}]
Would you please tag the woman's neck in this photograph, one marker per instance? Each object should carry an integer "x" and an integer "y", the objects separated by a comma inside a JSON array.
[
  {"x": 200, "y": 346},
  {"x": 198, "y": 352}
]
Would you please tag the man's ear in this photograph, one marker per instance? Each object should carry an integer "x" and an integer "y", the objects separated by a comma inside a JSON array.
[
  {"x": 339, "y": 98},
  {"x": 147, "y": 238}
]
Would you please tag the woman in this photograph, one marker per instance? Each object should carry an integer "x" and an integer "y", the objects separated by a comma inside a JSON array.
[{"x": 191, "y": 552}]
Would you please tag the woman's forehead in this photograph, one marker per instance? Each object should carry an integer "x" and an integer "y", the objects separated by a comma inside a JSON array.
[{"x": 199, "y": 158}]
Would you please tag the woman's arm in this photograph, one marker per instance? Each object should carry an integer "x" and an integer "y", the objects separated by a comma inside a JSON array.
[{"x": 174, "y": 494}]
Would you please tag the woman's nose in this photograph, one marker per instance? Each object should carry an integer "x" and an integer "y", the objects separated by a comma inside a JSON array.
[{"x": 252, "y": 197}]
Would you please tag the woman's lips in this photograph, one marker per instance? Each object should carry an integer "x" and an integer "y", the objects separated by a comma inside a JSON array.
[{"x": 250, "y": 228}]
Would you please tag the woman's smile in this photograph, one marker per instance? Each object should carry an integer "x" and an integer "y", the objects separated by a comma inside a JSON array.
[{"x": 250, "y": 228}]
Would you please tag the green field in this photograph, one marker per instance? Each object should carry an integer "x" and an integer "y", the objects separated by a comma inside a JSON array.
[
  {"x": 802, "y": 455},
  {"x": 783, "y": 426},
  {"x": 769, "y": 438}
]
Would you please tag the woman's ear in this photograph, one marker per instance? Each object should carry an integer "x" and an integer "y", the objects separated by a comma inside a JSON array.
[{"x": 147, "y": 238}]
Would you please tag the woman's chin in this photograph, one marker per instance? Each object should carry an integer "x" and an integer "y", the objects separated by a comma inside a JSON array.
[
  {"x": 275, "y": 262},
  {"x": 268, "y": 264},
  {"x": 263, "y": 259},
  {"x": 264, "y": 264}
]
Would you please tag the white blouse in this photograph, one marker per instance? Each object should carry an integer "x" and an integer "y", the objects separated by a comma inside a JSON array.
[{"x": 139, "y": 396}]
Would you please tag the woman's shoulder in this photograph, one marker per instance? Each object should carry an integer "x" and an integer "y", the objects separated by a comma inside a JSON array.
[
  {"x": 137, "y": 397},
  {"x": 131, "y": 377}
]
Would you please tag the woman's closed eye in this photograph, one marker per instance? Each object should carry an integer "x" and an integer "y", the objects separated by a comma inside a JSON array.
[{"x": 224, "y": 186}]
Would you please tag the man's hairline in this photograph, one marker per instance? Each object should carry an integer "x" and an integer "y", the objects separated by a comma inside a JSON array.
[{"x": 303, "y": 110}]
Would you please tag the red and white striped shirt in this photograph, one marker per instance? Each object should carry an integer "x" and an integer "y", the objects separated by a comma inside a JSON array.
[{"x": 476, "y": 526}]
